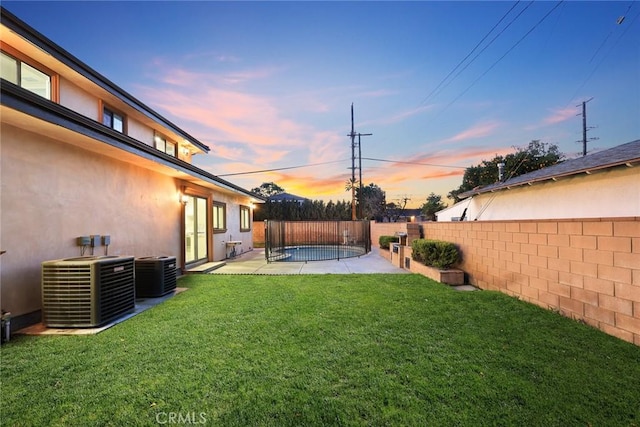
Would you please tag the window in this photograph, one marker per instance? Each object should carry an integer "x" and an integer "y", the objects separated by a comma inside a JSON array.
[
  {"x": 171, "y": 149},
  {"x": 165, "y": 146},
  {"x": 245, "y": 218},
  {"x": 219, "y": 217},
  {"x": 9, "y": 68},
  {"x": 112, "y": 119},
  {"x": 24, "y": 75}
]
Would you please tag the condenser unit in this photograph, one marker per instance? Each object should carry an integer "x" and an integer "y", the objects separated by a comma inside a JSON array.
[
  {"x": 155, "y": 276},
  {"x": 87, "y": 292}
]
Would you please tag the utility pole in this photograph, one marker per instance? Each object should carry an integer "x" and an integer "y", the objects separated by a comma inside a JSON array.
[
  {"x": 353, "y": 168},
  {"x": 584, "y": 126},
  {"x": 353, "y": 134}
]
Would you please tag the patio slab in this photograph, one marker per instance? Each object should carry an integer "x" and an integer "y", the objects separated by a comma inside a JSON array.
[
  {"x": 254, "y": 262},
  {"x": 142, "y": 304}
]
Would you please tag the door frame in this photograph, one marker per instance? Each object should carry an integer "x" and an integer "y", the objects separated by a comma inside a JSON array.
[{"x": 202, "y": 194}]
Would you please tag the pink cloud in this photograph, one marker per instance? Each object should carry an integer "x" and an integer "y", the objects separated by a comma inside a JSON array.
[
  {"x": 477, "y": 131},
  {"x": 226, "y": 151},
  {"x": 378, "y": 93},
  {"x": 557, "y": 115},
  {"x": 560, "y": 115},
  {"x": 401, "y": 116},
  {"x": 327, "y": 147},
  {"x": 220, "y": 116}
]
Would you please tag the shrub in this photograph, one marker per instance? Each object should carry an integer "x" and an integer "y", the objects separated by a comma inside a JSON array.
[
  {"x": 385, "y": 241},
  {"x": 435, "y": 253}
]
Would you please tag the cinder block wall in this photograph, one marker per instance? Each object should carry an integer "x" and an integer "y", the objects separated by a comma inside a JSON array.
[
  {"x": 386, "y": 229},
  {"x": 258, "y": 234},
  {"x": 587, "y": 269}
]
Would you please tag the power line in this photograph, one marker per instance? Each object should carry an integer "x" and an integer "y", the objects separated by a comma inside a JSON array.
[
  {"x": 282, "y": 169},
  {"x": 503, "y": 56},
  {"x": 619, "y": 21},
  {"x": 338, "y": 161},
  {"x": 414, "y": 163},
  {"x": 494, "y": 195},
  {"x": 492, "y": 40},
  {"x": 472, "y": 50}
]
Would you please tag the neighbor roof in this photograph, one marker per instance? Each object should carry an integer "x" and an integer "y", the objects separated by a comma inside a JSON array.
[
  {"x": 286, "y": 197},
  {"x": 623, "y": 155}
]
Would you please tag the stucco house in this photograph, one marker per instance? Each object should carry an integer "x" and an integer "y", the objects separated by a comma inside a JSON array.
[
  {"x": 602, "y": 184},
  {"x": 82, "y": 157}
]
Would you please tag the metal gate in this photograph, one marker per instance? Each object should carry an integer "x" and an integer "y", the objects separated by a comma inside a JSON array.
[{"x": 316, "y": 240}]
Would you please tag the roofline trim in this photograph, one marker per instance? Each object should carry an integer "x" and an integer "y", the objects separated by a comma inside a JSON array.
[
  {"x": 36, "y": 38},
  {"x": 509, "y": 186},
  {"x": 41, "y": 108}
]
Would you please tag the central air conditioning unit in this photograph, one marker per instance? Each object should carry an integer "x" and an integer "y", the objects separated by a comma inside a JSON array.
[
  {"x": 87, "y": 292},
  {"x": 155, "y": 276}
]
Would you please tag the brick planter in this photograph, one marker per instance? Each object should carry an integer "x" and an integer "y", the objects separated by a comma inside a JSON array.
[
  {"x": 449, "y": 276},
  {"x": 385, "y": 253}
]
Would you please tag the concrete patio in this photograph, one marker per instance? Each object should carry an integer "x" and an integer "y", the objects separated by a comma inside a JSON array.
[{"x": 254, "y": 262}]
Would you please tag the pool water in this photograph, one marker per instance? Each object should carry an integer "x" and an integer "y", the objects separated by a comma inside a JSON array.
[{"x": 320, "y": 253}]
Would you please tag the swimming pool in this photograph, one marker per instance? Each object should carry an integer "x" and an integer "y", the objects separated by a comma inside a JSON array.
[
  {"x": 315, "y": 240},
  {"x": 319, "y": 253}
]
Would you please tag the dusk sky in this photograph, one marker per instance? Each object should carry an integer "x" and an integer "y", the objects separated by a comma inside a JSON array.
[{"x": 269, "y": 85}]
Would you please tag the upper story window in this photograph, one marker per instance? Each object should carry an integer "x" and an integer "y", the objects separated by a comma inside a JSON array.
[
  {"x": 165, "y": 146},
  {"x": 24, "y": 75},
  {"x": 245, "y": 218},
  {"x": 113, "y": 119},
  {"x": 219, "y": 217}
]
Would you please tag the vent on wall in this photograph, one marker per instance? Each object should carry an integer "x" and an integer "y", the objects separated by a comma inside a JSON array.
[
  {"x": 87, "y": 292},
  {"x": 155, "y": 276}
]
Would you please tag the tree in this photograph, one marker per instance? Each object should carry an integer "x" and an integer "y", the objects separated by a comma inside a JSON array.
[
  {"x": 395, "y": 210},
  {"x": 292, "y": 210},
  {"x": 372, "y": 201},
  {"x": 536, "y": 155},
  {"x": 268, "y": 189},
  {"x": 432, "y": 205}
]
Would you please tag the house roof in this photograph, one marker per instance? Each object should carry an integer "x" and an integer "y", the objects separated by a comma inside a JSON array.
[
  {"x": 21, "y": 28},
  {"x": 286, "y": 197},
  {"x": 23, "y": 101},
  {"x": 625, "y": 155}
]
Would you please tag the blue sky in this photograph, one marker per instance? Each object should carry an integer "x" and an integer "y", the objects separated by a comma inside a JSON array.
[{"x": 269, "y": 85}]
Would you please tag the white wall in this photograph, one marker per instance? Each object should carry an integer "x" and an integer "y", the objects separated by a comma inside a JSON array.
[
  {"x": 78, "y": 100},
  {"x": 611, "y": 193}
]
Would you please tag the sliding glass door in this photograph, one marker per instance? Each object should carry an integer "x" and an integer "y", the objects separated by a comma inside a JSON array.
[{"x": 195, "y": 229}]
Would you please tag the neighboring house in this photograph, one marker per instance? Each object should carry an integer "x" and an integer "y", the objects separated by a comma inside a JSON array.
[
  {"x": 80, "y": 157},
  {"x": 603, "y": 184},
  {"x": 287, "y": 197},
  {"x": 402, "y": 215}
]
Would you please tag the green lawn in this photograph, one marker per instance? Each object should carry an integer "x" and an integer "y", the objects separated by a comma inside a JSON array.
[{"x": 326, "y": 350}]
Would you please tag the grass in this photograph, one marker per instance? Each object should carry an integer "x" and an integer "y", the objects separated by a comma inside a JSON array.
[{"x": 326, "y": 350}]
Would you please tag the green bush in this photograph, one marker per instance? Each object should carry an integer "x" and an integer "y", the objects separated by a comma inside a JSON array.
[
  {"x": 385, "y": 241},
  {"x": 435, "y": 253}
]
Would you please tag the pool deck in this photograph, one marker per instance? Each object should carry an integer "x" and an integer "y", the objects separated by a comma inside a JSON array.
[{"x": 254, "y": 262}]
